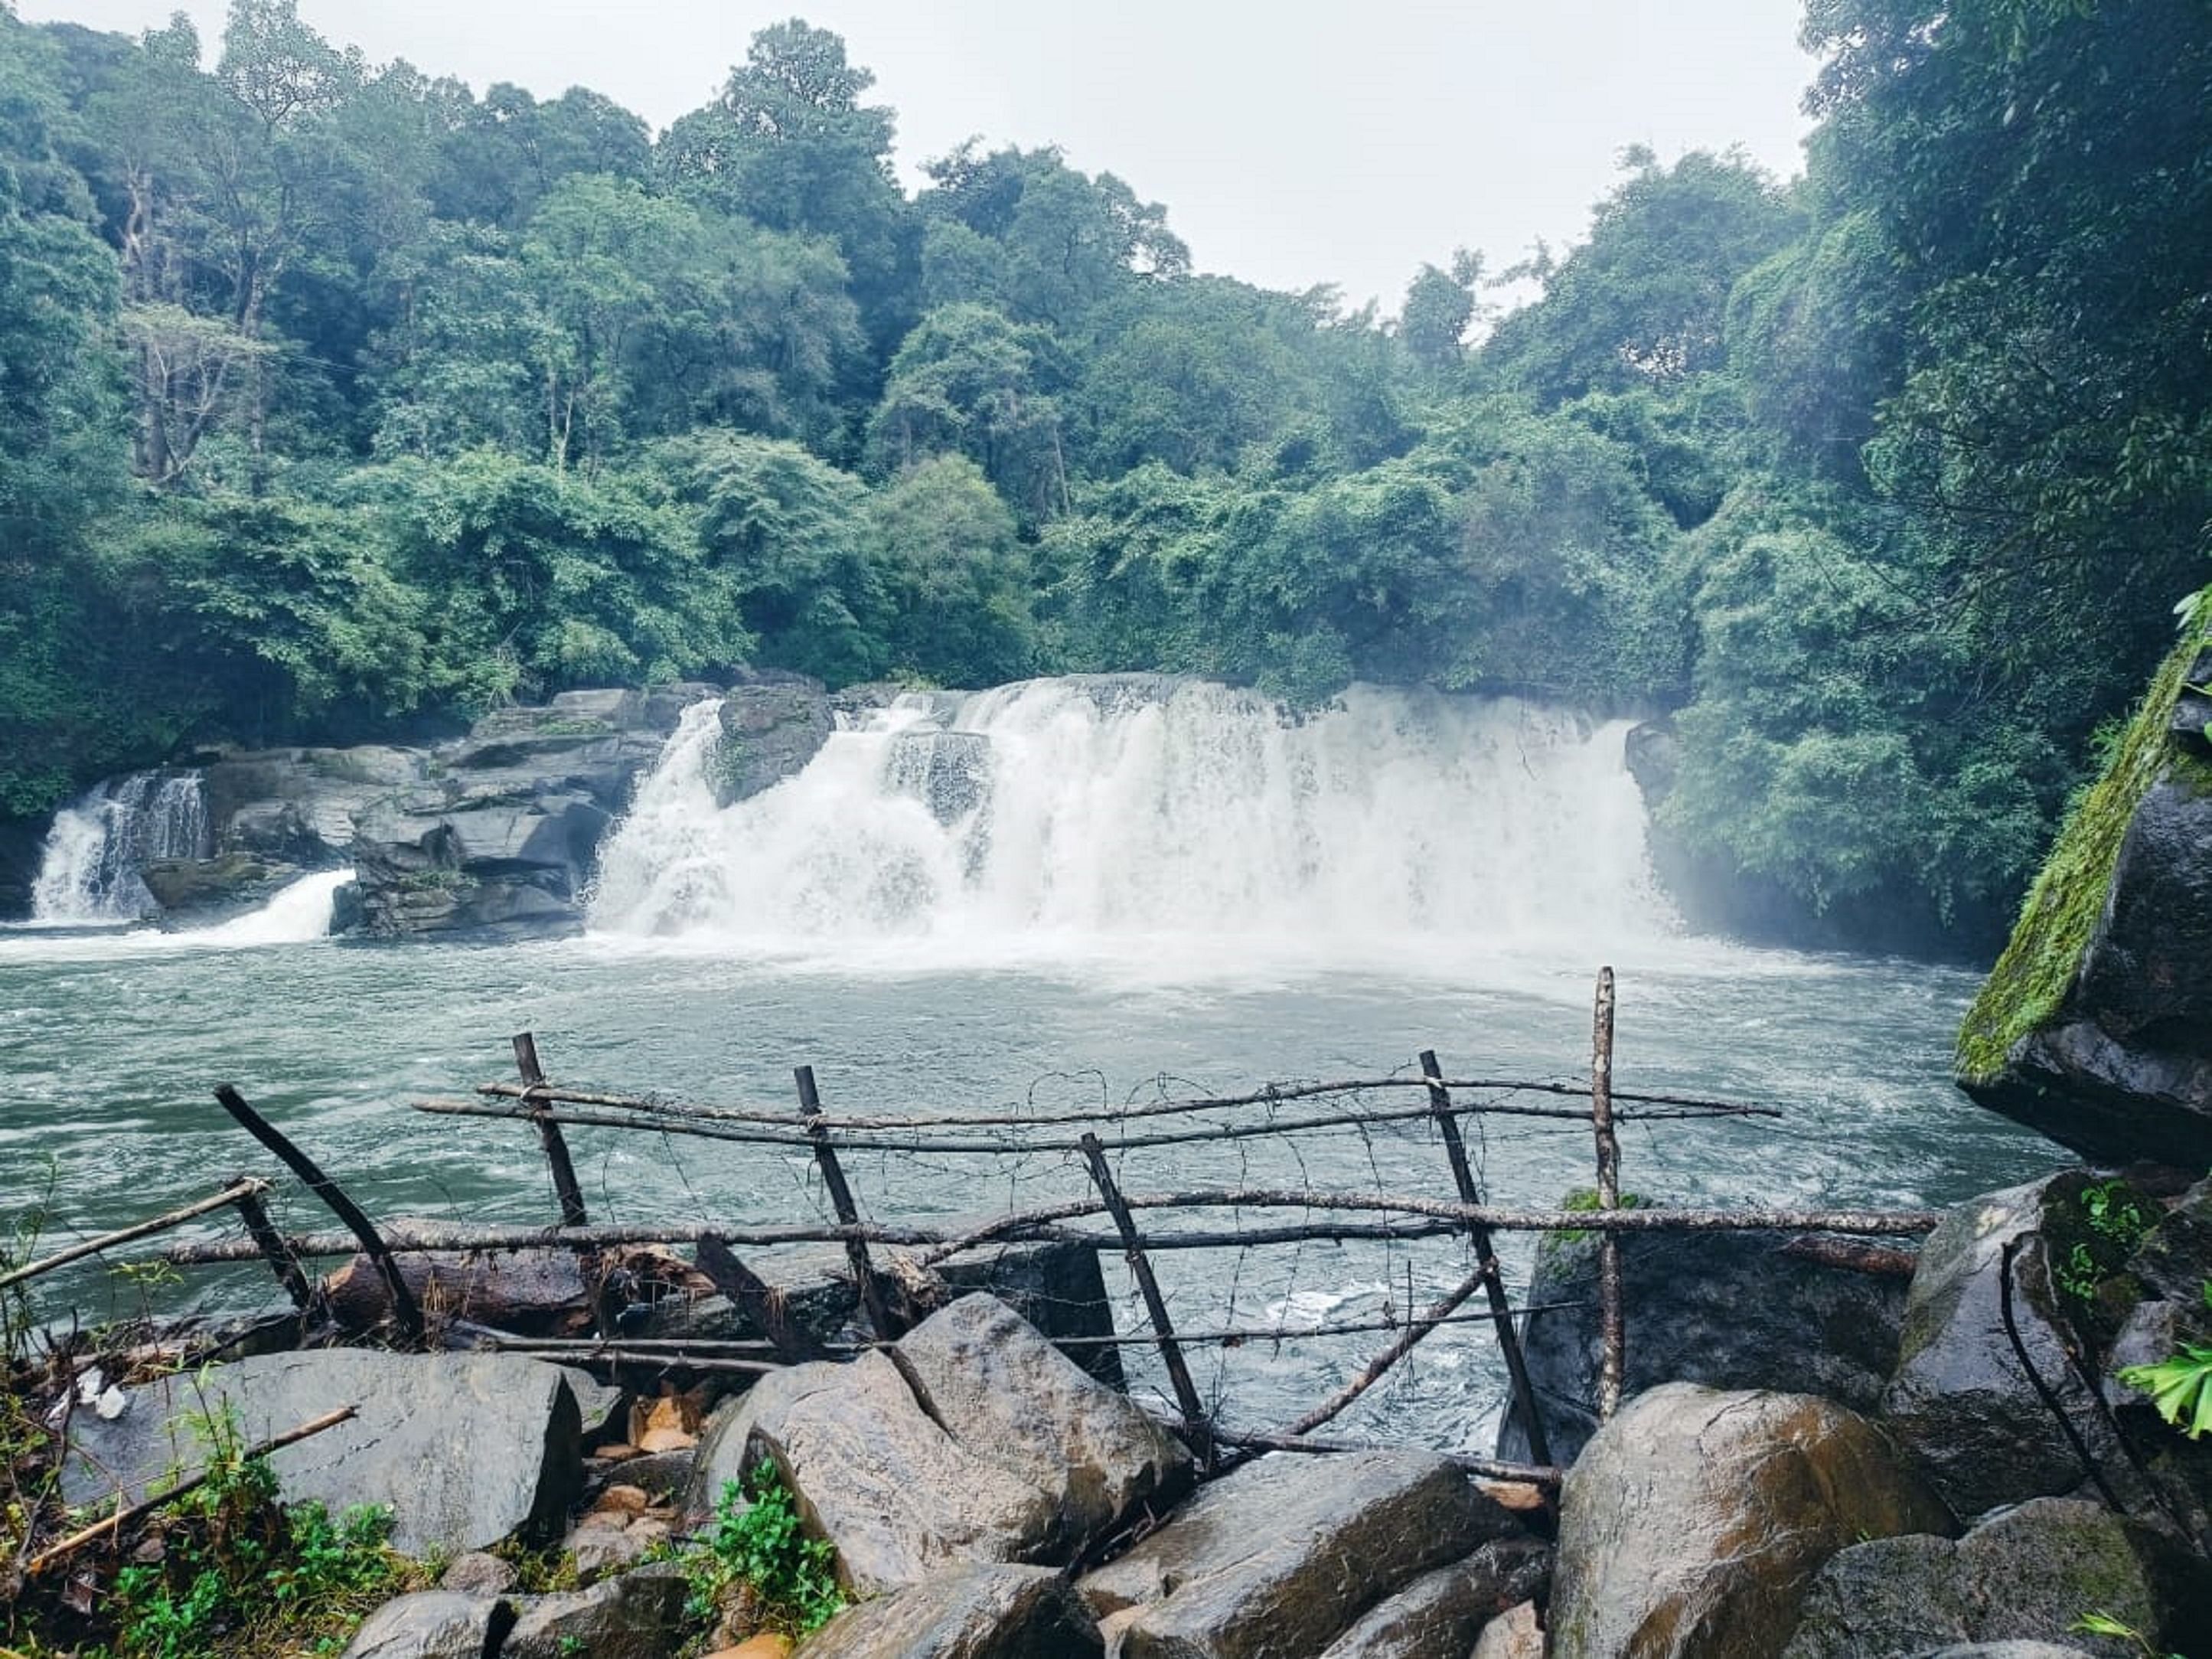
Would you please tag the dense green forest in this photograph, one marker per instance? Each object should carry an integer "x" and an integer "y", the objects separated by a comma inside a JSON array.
[{"x": 335, "y": 400}]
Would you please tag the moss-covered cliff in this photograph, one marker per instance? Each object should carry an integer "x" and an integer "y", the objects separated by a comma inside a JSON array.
[{"x": 2089, "y": 1027}]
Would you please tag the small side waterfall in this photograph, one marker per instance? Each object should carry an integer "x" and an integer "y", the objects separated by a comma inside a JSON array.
[
  {"x": 1136, "y": 806},
  {"x": 100, "y": 843}
]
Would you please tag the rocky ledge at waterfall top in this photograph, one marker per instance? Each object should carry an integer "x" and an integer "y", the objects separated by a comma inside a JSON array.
[{"x": 493, "y": 836}]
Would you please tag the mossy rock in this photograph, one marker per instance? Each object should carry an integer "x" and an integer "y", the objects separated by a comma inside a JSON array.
[{"x": 2093, "y": 1025}]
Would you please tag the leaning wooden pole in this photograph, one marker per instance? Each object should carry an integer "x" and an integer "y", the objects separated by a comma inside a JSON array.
[
  {"x": 1612, "y": 1317},
  {"x": 1486, "y": 1255},
  {"x": 565, "y": 1185},
  {"x": 274, "y": 1249},
  {"x": 1194, "y": 1421},
  {"x": 1336, "y": 1405},
  {"x": 841, "y": 1199},
  {"x": 404, "y": 1307}
]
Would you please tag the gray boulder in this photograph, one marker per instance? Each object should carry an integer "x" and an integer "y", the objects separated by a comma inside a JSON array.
[
  {"x": 467, "y": 1450},
  {"x": 433, "y": 1625},
  {"x": 1442, "y": 1614},
  {"x": 1961, "y": 1400},
  {"x": 974, "y": 1612},
  {"x": 1730, "y": 1310},
  {"x": 2027, "y": 1575},
  {"x": 1692, "y": 1523},
  {"x": 1286, "y": 1554},
  {"x": 638, "y": 1615},
  {"x": 972, "y": 1440}
]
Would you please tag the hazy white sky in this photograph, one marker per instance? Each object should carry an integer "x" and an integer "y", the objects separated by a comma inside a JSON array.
[{"x": 1294, "y": 142}]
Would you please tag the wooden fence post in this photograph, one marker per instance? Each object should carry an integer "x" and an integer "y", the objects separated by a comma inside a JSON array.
[
  {"x": 549, "y": 1133},
  {"x": 841, "y": 1199},
  {"x": 1186, "y": 1392},
  {"x": 1612, "y": 1317},
  {"x": 1523, "y": 1401}
]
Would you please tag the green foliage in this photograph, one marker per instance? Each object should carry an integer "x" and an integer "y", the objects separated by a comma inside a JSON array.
[
  {"x": 240, "y": 1574},
  {"x": 2180, "y": 1385},
  {"x": 756, "y": 1541}
]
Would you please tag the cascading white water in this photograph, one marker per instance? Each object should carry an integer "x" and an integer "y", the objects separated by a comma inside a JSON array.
[
  {"x": 100, "y": 843},
  {"x": 1136, "y": 806}
]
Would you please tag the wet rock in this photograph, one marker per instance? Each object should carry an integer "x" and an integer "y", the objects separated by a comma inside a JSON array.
[
  {"x": 2009, "y": 1651},
  {"x": 467, "y": 1449},
  {"x": 638, "y": 1615},
  {"x": 770, "y": 731},
  {"x": 1961, "y": 1401},
  {"x": 1440, "y": 1615},
  {"x": 500, "y": 838},
  {"x": 227, "y": 884},
  {"x": 1653, "y": 754},
  {"x": 1693, "y": 1522},
  {"x": 479, "y": 1573},
  {"x": 974, "y": 1440},
  {"x": 1004, "y": 1393},
  {"x": 1284, "y": 1555},
  {"x": 1055, "y": 1286},
  {"x": 1730, "y": 1310},
  {"x": 964, "y": 1613},
  {"x": 2027, "y": 1575},
  {"x": 433, "y": 1625}
]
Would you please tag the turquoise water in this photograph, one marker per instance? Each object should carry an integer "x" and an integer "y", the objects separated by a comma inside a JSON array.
[{"x": 110, "y": 1046}]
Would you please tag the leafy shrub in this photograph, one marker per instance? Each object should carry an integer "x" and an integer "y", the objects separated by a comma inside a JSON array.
[{"x": 756, "y": 1543}]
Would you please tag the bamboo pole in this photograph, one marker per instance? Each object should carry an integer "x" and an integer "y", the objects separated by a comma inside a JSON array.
[
  {"x": 1523, "y": 1399},
  {"x": 565, "y": 1185},
  {"x": 122, "y": 1517},
  {"x": 841, "y": 1199},
  {"x": 363, "y": 1230},
  {"x": 1194, "y": 1421},
  {"x": 1027, "y": 1225},
  {"x": 241, "y": 1190},
  {"x": 1611, "y": 1313}
]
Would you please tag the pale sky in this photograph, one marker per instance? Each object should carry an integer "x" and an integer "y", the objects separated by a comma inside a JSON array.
[{"x": 1294, "y": 142}]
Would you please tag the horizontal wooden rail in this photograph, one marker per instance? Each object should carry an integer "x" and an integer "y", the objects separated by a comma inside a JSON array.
[
  {"x": 1273, "y": 1094},
  {"x": 879, "y": 1141},
  {"x": 237, "y": 1192},
  {"x": 1021, "y": 1224}
]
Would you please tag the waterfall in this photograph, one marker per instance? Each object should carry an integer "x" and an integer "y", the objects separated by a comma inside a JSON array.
[
  {"x": 1136, "y": 806},
  {"x": 100, "y": 843}
]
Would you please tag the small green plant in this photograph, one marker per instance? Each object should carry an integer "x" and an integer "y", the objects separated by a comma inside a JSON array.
[
  {"x": 2115, "y": 1211},
  {"x": 1583, "y": 1200},
  {"x": 2103, "y": 1623},
  {"x": 757, "y": 1541},
  {"x": 2180, "y": 1385}
]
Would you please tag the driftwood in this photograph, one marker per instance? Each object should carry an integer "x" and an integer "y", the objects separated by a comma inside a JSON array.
[
  {"x": 1854, "y": 1255},
  {"x": 122, "y": 1517},
  {"x": 1037, "y": 1224},
  {"x": 239, "y": 1191},
  {"x": 762, "y": 1305},
  {"x": 1336, "y": 1403},
  {"x": 1273, "y": 1094},
  {"x": 537, "y": 1292}
]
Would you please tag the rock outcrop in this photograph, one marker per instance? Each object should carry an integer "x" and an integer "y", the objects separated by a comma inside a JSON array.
[
  {"x": 2095, "y": 1027},
  {"x": 1693, "y": 1522},
  {"x": 1730, "y": 1310}
]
